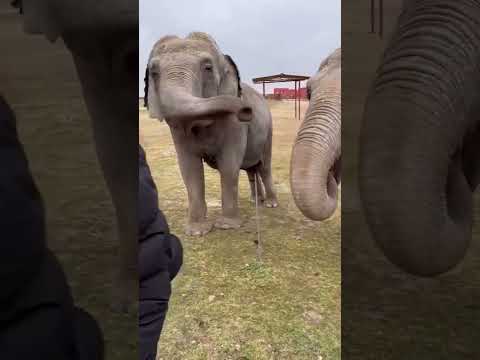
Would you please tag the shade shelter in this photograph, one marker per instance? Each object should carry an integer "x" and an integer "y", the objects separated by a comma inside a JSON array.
[{"x": 297, "y": 79}]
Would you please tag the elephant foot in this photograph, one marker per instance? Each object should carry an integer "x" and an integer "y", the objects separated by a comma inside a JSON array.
[
  {"x": 226, "y": 223},
  {"x": 260, "y": 200},
  {"x": 198, "y": 228},
  {"x": 270, "y": 203}
]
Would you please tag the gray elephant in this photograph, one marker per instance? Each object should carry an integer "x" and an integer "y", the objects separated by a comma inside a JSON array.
[
  {"x": 315, "y": 164},
  {"x": 420, "y": 141},
  {"x": 103, "y": 39},
  {"x": 212, "y": 117}
]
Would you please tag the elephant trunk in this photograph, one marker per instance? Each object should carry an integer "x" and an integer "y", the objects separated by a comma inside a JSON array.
[
  {"x": 416, "y": 195},
  {"x": 179, "y": 104},
  {"x": 315, "y": 163}
]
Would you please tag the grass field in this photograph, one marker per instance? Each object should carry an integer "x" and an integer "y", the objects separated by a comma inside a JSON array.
[{"x": 225, "y": 305}]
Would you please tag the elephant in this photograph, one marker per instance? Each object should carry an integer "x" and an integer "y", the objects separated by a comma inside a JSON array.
[
  {"x": 103, "y": 40},
  {"x": 316, "y": 156},
  {"x": 213, "y": 117},
  {"x": 420, "y": 138}
]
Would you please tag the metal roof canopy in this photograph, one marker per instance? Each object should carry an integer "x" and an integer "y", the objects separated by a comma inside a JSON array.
[
  {"x": 280, "y": 78},
  {"x": 283, "y": 78}
]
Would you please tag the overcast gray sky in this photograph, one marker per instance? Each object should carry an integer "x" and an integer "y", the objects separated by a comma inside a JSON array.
[{"x": 264, "y": 37}]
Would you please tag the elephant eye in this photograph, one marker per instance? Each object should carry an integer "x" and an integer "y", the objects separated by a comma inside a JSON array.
[
  {"x": 155, "y": 75},
  {"x": 208, "y": 67},
  {"x": 154, "y": 72}
]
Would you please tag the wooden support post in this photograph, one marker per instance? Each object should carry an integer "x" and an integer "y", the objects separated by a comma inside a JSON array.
[
  {"x": 295, "y": 99},
  {"x": 263, "y": 88},
  {"x": 372, "y": 16},
  {"x": 380, "y": 18},
  {"x": 299, "y": 98}
]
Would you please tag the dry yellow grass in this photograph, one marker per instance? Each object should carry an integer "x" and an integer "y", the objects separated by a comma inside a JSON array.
[{"x": 224, "y": 304}]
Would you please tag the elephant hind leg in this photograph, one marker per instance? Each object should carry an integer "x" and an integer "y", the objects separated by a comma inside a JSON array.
[
  {"x": 265, "y": 172},
  {"x": 252, "y": 174}
]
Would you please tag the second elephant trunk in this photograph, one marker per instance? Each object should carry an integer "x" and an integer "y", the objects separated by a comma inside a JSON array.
[
  {"x": 415, "y": 191},
  {"x": 315, "y": 163}
]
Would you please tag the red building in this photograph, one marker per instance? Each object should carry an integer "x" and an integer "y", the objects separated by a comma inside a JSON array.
[{"x": 286, "y": 93}]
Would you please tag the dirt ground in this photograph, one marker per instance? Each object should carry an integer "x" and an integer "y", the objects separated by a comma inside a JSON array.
[{"x": 225, "y": 305}]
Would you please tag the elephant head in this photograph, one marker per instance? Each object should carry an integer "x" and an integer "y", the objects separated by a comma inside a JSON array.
[
  {"x": 315, "y": 163},
  {"x": 420, "y": 137},
  {"x": 191, "y": 79}
]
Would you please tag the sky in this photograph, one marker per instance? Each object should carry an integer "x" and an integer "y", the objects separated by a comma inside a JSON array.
[{"x": 271, "y": 37}]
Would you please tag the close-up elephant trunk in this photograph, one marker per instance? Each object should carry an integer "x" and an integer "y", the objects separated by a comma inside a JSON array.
[
  {"x": 419, "y": 153},
  {"x": 315, "y": 164}
]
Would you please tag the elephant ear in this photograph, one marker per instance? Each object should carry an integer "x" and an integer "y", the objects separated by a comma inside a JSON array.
[
  {"x": 145, "y": 89},
  {"x": 151, "y": 96},
  {"x": 230, "y": 83}
]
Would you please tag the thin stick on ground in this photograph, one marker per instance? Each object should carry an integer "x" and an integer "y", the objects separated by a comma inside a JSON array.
[{"x": 258, "y": 242}]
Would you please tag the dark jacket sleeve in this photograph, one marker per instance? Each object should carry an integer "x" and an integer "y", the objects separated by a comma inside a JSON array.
[
  {"x": 22, "y": 242},
  {"x": 36, "y": 300},
  {"x": 159, "y": 249},
  {"x": 160, "y": 258}
]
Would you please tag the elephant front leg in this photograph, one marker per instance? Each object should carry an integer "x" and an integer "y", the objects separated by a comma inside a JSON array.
[
  {"x": 230, "y": 219},
  {"x": 115, "y": 127},
  {"x": 191, "y": 168}
]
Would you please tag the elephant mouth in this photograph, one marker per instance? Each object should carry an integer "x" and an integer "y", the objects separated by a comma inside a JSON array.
[{"x": 334, "y": 176}]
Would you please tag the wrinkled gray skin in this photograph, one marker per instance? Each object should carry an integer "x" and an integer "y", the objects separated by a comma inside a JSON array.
[
  {"x": 212, "y": 117},
  {"x": 420, "y": 143},
  {"x": 103, "y": 40},
  {"x": 315, "y": 163}
]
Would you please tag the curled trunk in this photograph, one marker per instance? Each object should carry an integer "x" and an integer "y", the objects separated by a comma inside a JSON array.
[
  {"x": 180, "y": 104},
  {"x": 415, "y": 191},
  {"x": 315, "y": 163}
]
